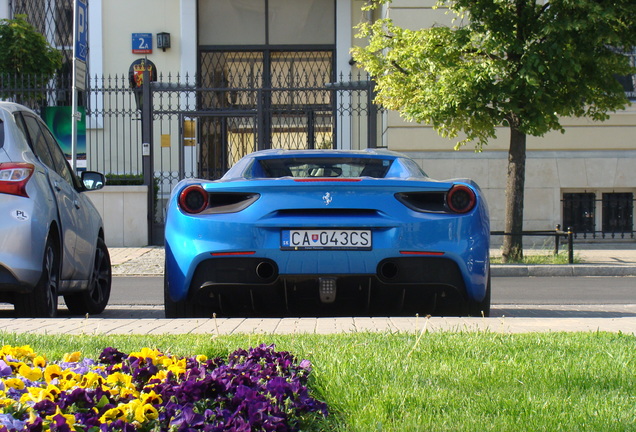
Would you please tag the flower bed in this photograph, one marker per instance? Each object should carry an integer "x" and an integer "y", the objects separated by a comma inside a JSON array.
[{"x": 255, "y": 390}]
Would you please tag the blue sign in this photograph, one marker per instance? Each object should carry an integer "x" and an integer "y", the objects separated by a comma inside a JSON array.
[
  {"x": 81, "y": 30},
  {"x": 142, "y": 43}
]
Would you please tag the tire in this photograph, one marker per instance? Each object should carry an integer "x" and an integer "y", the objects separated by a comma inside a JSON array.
[
  {"x": 95, "y": 299},
  {"x": 481, "y": 308},
  {"x": 42, "y": 302},
  {"x": 183, "y": 308}
]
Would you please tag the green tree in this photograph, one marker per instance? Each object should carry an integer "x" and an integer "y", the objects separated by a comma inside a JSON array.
[
  {"x": 520, "y": 64},
  {"x": 25, "y": 55}
]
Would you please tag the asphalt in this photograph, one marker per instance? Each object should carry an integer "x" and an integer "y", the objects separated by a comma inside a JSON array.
[
  {"x": 616, "y": 259},
  {"x": 592, "y": 259}
]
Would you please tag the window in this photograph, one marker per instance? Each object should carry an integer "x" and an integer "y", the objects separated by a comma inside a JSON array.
[
  {"x": 615, "y": 211},
  {"x": 267, "y": 22},
  {"x": 579, "y": 211},
  {"x": 47, "y": 149},
  {"x": 618, "y": 212},
  {"x": 318, "y": 167},
  {"x": 40, "y": 147},
  {"x": 629, "y": 81}
]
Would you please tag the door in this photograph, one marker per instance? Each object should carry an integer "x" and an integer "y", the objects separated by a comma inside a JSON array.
[{"x": 78, "y": 232}]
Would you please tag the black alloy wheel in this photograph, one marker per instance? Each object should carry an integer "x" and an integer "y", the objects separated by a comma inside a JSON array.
[
  {"x": 42, "y": 302},
  {"x": 94, "y": 300}
]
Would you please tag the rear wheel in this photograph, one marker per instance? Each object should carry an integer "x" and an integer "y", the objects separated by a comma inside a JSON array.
[
  {"x": 42, "y": 302},
  {"x": 481, "y": 308},
  {"x": 418, "y": 301},
  {"x": 183, "y": 308},
  {"x": 94, "y": 300}
]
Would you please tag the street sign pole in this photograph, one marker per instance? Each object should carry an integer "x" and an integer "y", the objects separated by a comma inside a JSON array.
[
  {"x": 80, "y": 48},
  {"x": 74, "y": 94}
]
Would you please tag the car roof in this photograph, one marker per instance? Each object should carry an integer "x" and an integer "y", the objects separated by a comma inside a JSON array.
[
  {"x": 325, "y": 153},
  {"x": 13, "y": 107}
]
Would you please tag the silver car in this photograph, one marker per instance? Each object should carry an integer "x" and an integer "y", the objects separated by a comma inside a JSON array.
[{"x": 51, "y": 235}]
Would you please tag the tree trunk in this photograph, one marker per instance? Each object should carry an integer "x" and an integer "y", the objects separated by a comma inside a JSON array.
[{"x": 513, "y": 221}]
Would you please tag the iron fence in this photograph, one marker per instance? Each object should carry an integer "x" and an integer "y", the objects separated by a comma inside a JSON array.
[
  {"x": 199, "y": 128},
  {"x": 557, "y": 234}
]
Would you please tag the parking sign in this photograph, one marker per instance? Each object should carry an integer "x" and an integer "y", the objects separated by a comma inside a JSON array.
[{"x": 81, "y": 30}]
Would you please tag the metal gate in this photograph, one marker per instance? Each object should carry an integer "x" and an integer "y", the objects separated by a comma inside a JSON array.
[{"x": 220, "y": 119}]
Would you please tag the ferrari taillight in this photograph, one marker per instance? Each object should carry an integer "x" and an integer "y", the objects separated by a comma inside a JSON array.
[
  {"x": 14, "y": 178},
  {"x": 461, "y": 199},
  {"x": 458, "y": 199},
  {"x": 193, "y": 199}
]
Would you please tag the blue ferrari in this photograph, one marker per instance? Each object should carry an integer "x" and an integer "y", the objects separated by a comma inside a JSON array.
[{"x": 326, "y": 232}]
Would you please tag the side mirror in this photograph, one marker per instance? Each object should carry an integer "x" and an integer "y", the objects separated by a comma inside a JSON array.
[{"x": 93, "y": 180}]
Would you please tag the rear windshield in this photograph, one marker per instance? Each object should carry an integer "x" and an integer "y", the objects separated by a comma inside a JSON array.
[{"x": 322, "y": 167}]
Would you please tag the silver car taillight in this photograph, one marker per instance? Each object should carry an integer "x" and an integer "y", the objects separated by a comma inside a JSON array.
[{"x": 14, "y": 178}]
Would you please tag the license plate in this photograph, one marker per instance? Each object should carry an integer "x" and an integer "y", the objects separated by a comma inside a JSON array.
[{"x": 326, "y": 239}]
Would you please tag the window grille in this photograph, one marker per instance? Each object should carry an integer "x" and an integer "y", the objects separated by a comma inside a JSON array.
[
  {"x": 618, "y": 211},
  {"x": 579, "y": 212}
]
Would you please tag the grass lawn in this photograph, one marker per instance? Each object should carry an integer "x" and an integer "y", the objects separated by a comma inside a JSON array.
[
  {"x": 541, "y": 257},
  {"x": 459, "y": 381}
]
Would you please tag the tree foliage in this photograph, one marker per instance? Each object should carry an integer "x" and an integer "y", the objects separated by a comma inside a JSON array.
[
  {"x": 523, "y": 64},
  {"x": 25, "y": 54}
]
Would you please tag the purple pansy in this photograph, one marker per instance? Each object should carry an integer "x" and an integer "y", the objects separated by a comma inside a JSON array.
[{"x": 255, "y": 390}]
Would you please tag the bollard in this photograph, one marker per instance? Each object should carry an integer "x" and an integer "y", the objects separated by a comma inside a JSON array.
[
  {"x": 556, "y": 239},
  {"x": 570, "y": 246}
]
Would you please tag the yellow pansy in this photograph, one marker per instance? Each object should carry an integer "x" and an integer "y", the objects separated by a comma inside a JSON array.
[
  {"x": 145, "y": 413},
  {"x": 160, "y": 376},
  {"x": 72, "y": 357},
  {"x": 125, "y": 392},
  {"x": 130, "y": 407},
  {"x": 91, "y": 380},
  {"x": 178, "y": 367},
  {"x": 69, "y": 375},
  {"x": 117, "y": 413},
  {"x": 24, "y": 351},
  {"x": 32, "y": 374},
  {"x": 151, "y": 398},
  {"x": 37, "y": 394},
  {"x": 39, "y": 361},
  {"x": 33, "y": 416},
  {"x": 153, "y": 354},
  {"x": 6, "y": 402},
  {"x": 69, "y": 418},
  {"x": 15, "y": 383},
  {"x": 68, "y": 379},
  {"x": 119, "y": 379},
  {"x": 51, "y": 372}
]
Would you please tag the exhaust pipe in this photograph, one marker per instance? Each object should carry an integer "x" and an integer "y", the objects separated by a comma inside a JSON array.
[
  {"x": 389, "y": 270},
  {"x": 265, "y": 270}
]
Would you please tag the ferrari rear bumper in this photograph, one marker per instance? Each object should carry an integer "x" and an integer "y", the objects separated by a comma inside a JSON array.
[{"x": 406, "y": 285}]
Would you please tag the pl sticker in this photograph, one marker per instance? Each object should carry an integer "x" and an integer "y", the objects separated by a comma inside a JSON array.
[{"x": 20, "y": 215}]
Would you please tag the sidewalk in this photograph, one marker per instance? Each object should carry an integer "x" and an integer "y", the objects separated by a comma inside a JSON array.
[
  {"x": 264, "y": 326},
  {"x": 597, "y": 259}
]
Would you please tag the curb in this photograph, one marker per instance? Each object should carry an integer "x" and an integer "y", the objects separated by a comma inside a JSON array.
[{"x": 545, "y": 270}]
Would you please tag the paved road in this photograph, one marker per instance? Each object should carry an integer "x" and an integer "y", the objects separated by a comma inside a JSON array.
[
  {"x": 506, "y": 290},
  {"x": 591, "y": 309},
  {"x": 512, "y": 297}
]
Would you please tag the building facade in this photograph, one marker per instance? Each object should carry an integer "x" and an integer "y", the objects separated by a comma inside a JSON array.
[{"x": 241, "y": 75}]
